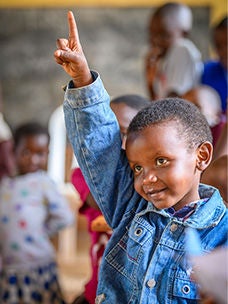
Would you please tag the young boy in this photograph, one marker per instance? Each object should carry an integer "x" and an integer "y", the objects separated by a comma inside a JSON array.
[
  {"x": 149, "y": 193},
  {"x": 173, "y": 63}
]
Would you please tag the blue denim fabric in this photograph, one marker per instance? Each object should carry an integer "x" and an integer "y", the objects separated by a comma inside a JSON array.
[{"x": 144, "y": 261}]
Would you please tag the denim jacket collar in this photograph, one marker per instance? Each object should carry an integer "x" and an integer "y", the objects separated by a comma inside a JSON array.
[{"x": 210, "y": 207}]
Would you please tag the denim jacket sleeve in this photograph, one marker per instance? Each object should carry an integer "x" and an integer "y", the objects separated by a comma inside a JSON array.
[{"x": 94, "y": 133}]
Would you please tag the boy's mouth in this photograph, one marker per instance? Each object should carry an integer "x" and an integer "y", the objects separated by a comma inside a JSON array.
[{"x": 154, "y": 193}]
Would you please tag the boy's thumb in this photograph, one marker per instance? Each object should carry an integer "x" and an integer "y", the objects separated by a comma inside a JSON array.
[{"x": 64, "y": 55}]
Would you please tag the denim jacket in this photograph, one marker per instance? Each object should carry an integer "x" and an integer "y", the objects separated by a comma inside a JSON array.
[{"x": 144, "y": 261}]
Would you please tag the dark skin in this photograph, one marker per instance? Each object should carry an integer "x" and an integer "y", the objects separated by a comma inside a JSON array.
[
  {"x": 163, "y": 32},
  {"x": 207, "y": 100},
  {"x": 7, "y": 164},
  {"x": 221, "y": 147},
  {"x": 31, "y": 154},
  {"x": 165, "y": 173},
  {"x": 162, "y": 35},
  {"x": 124, "y": 115},
  {"x": 71, "y": 57},
  {"x": 216, "y": 175}
]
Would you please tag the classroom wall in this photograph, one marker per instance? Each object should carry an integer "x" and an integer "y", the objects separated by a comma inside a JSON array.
[
  {"x": 217, "y": 7},
  {"x": 114, "y": 40}
]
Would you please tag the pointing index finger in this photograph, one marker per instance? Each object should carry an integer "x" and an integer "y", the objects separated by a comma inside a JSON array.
[{"x": 73, "y": 32}]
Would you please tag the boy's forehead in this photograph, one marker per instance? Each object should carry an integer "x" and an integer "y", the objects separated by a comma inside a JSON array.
[
  {"x": 164, "y": 128},
  {"x": 155, "y": 140}
]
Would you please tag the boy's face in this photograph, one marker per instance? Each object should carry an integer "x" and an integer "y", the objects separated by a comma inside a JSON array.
[
  {"x": 32, "y": 153},
  {"x": 164, "y": 170},
  {"x": 162, "y": 35},
  {"x": 124, "y": 115}
]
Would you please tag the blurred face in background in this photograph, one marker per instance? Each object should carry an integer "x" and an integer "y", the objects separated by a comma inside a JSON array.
[
  {"x": 31, "y": 153},
  {"x": 163, "y": 32},
  {"x": 124, "y": 115}
]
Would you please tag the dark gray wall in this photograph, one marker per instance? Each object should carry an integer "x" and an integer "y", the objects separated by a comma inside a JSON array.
[{"x": 114, "y": 40}]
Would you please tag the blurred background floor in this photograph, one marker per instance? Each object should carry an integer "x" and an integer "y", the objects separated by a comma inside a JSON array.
[{"x": 74, "y": 263}]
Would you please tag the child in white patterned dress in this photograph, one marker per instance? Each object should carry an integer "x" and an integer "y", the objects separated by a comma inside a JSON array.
[{"x": 31, "y": 210}]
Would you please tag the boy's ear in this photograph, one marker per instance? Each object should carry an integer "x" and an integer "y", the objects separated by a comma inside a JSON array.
[{"x": 204, "y": 155}]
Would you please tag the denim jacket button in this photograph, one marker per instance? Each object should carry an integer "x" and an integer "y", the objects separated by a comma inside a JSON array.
[
  {"x": 138, "y": 231},
  {"x": 185, "y": 289},
  {"x": 151, "y": 283},
  {"x": 173, "y": 227},
  {"x": 99, "y": 299}
]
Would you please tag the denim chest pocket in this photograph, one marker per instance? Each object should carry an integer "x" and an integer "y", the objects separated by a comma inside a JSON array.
[
  {"x": 126, "y": 255},
  {"x": 185, "y": 288}
]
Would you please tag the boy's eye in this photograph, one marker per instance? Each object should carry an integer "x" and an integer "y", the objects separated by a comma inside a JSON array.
[
  {"x": 137, "y": 168},
  {"x": 161, "y": 161}
]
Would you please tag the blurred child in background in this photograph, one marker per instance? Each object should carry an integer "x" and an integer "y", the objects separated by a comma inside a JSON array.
[
  {"x": 215, "y": 72},
  {"x": 216, "y": 175},
  {"x": 173, "y": 63},
  {"x": 31, "y": 210}
]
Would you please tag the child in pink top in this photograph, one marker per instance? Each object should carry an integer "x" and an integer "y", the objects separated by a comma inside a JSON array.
[{"x": 98, "y": 240}]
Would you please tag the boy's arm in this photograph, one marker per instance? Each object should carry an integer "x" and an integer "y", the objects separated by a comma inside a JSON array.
[
  {"x": 93, "y": 131},
  {"x": 71, "y": 57}
]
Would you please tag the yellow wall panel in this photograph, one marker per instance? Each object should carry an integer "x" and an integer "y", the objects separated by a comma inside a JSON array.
[{"x": 218, "y": 7}]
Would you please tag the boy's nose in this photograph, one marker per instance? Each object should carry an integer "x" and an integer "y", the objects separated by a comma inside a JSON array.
[{"x": 150, "y": 178}]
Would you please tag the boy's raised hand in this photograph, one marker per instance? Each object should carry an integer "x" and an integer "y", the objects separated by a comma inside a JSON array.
[{"x": 71, "y": 57}]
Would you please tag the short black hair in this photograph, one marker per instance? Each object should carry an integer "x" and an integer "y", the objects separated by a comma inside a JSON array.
[
  {"x": 134, "y": 101},
  {"x": 29, "y": 129},
  {"x": 192, "y": 126}
]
